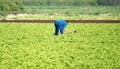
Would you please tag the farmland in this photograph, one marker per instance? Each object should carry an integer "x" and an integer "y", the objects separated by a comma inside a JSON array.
[
  {"x": 33, "y": 46},
  {"x": 73, "y": 10}
]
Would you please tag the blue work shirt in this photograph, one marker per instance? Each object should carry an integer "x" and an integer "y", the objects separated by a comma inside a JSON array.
[{"x": 60, "y": 25}]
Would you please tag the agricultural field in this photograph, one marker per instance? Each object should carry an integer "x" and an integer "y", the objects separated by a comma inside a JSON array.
[
  {"x": 34, "y": 46},
  {"x": 73, "y": 10}
]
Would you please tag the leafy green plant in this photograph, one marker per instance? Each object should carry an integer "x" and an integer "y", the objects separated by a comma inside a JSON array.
[
  {"x": 93, "y": 46},
  {"x": 8, "y": 7}
]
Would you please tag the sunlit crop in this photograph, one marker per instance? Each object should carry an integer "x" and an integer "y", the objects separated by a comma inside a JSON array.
[{"x": 34, "y": 46}]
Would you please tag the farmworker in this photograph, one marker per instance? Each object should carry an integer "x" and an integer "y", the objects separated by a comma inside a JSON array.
[{"x": 60, "y": 25}]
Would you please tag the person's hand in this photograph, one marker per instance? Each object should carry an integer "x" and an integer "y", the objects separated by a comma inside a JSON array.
[
  {"x": 74, "y": 31},
  {"x": 67, "y": 30}
]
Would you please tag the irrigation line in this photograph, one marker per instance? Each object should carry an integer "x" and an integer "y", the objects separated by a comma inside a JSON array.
[{"x": 51, "y": 21}]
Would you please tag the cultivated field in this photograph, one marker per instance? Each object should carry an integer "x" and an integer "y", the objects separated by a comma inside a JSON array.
[{"x": 33, "y": 46}]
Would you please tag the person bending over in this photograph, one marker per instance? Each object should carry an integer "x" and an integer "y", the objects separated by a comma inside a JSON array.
[{"x": 60, "y": 25}]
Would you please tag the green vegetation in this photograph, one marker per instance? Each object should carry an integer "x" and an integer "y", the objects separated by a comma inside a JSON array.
[
  {"x": 73, "y": 11},
  {"x": 71, "y": 2},
  {"x": 62, "y": 7},
  {"x": 10, "y": 7},
  {"x": 33, "y": 46},
  {"x": 72, "y": 7}
]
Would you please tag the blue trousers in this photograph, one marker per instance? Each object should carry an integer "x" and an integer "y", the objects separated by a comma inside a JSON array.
[{"x": 59, "y": 27}]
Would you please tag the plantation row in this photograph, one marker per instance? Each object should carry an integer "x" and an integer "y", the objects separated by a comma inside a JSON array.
[{"x": 71, "y": 2}]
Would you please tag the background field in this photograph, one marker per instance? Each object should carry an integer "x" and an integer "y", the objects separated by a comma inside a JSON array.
[
  {"x": 73, "y": 10},
  {"x": 60, "y": 7}
]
